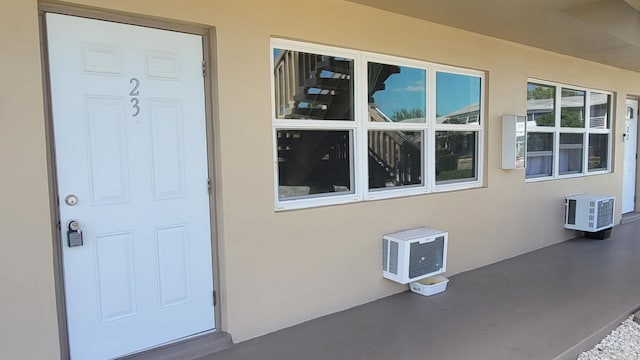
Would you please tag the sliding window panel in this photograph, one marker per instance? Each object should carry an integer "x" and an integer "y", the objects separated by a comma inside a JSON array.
[
  {"x": 541, "y": 104},
  {"x": 598, "y": 152},
  {"x": 456, "y": 156},
  {"x": 395, "y": 158},
  {"x": 312, "y": 86},
  {"x": 539, "y": 155},
  {"x": 572, "y": 112},
  {"x": 396, "y": 94},
  {"x": 570, "y": 154},
  {"x": 457, "y": 99},
  {"x": 600, "y": 107},
  {"x": 312, "y": 162}
]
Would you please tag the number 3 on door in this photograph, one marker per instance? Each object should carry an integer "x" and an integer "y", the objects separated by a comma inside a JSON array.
[{"x": 134, "y": 93}]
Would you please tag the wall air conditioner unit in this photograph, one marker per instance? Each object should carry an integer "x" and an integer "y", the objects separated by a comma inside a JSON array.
[
  {"x": 414, "y": 254},
  {"x": 589, "y": 213}
]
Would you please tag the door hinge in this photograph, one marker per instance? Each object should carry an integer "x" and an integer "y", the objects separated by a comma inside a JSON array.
[
  {"x": 214, "y": 299},
  {"x": 204, "y": 68},
  {"x": 209, "y": 186}
]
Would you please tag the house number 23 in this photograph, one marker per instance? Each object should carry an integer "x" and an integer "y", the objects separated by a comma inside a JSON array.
[{"x": 133, "y": 94}]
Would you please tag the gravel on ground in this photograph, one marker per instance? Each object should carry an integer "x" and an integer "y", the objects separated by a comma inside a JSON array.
[{"x": 622, "y": 344}]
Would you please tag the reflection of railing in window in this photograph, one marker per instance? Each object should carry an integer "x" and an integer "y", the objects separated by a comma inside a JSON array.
[
  {"x": 312, "y": 86},
  {"x": 397, "y": 155}
]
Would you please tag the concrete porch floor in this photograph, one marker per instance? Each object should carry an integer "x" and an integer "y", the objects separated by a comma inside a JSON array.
[{"x": 551, "y": 303}]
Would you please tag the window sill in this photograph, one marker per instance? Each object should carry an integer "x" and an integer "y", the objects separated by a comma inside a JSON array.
[
  {"x": 567, "y": 176},
  {"x": 308, "y": 203}
]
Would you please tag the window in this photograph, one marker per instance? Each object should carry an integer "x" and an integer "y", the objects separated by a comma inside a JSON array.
[
  {"x": 396, "y": 127},
  {"x": 353, "y": 126},
  {"x": 457, "y": 127},
  {"x": 572, "y": 140}
]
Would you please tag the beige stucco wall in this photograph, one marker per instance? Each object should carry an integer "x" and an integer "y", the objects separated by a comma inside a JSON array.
[
  {"x": 28, "y": 325},
  {"x": 281, "y": 268}
]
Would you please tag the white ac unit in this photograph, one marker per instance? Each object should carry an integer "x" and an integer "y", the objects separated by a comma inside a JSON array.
[
  {"x": 414, "y": 254},
  {"x": 590, "y": 213}
]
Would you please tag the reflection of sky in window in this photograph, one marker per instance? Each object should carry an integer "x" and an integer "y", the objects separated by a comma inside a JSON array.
[
  {"x": 405, "y": 90},
  {"x": 454, "y": 92}
]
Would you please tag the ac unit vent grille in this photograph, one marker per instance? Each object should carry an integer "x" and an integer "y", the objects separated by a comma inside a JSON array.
[
  {"x": 571, "y": 212},
  {"x": 426, "y": 258},
  {"x": 589, "y": 213},
  {"x": 393, "y": 264},
  {"x": 385, "y": 254},
  {"x": 605, "y": 212}
]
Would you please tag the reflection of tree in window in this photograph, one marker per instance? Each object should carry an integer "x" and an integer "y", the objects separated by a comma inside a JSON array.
[
  {"x": 572, "y": 112},
  {"x": 455, "y": 155},
  {"x": 457, "y": 99},
  {"x": 406, "y": 114},
  {"x": 541, "y": 104},
  {"x": 396, "y": 95}
]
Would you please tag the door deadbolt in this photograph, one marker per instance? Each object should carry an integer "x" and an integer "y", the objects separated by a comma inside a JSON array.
[{"x": 71, "y": 200}]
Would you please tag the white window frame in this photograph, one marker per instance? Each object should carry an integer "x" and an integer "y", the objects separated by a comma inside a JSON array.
[
  {"x": 479, "y": 128},
  {"x": 557, "y": 129},
  {"x": 366, "y": 125},
  {"x": 361, "y": 125}
]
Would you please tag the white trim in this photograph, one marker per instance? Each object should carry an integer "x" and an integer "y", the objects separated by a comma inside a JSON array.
[{"x": 360, "y": 126}]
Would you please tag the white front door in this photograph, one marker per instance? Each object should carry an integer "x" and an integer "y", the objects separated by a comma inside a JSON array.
[
  {"x": 630, "y": 157},
  {"x": 131, "y": 154}
]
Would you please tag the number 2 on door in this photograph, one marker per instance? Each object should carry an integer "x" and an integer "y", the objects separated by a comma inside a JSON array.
[{"x": 134, "y": 93}]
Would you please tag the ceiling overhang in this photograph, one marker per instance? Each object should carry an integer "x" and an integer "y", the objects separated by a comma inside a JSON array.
[{"x": 604, "y": 31}]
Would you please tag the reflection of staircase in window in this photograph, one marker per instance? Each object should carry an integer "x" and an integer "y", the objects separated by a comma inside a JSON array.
[
  {"x": 394, "y": 158},
  {"x": 319, "y": 87},
  {"x": 311, "y": 86}
]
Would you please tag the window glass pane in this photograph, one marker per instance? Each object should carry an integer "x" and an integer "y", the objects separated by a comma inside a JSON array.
[
  {"x": 312, "y": 86},
  {"x": 395, "y": 158},
  {"x": 457, "y": 99},
  {"x": 541, "y": 105},
  {"x": 570, "y": 154},
  {"x": 396, "y": 93},
  {"x": 572, "y": 111},
  {"x": 599, "y": 111},
  {"x": 313, "y": 162},
  {"x": 456, "y": 156},
  {"x": 598, "y": 152},
  {"x": 539, "y": 155}
]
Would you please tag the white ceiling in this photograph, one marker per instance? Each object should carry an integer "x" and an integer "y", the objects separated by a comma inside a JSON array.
[{"x": 605, "y": 31}]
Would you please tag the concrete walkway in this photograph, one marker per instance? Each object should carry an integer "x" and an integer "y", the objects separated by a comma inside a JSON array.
[{"x": 551, "y": 303}]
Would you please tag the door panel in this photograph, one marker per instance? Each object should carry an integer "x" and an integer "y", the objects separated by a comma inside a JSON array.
[
  {"x": 630, "y": 161},
  {"x": 130, "y": 142}
]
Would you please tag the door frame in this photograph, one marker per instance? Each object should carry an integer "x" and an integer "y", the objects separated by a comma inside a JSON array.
[
  {"x": 210, "y": 81},
  {"x": 637, "y": 187}
]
